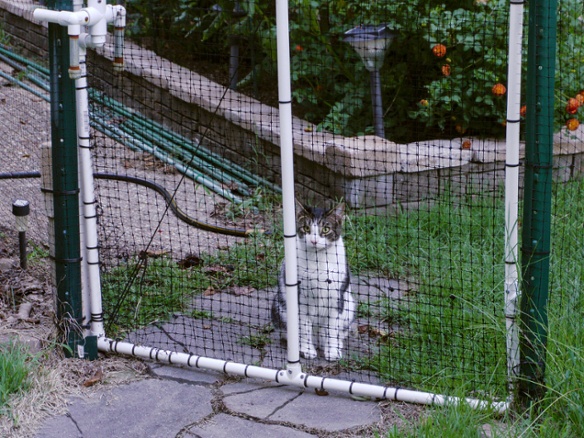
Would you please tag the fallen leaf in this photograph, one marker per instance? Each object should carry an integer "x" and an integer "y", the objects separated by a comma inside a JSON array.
[
  {"x": 96, "y": 378},
  {"x": 189, "y": 261},
  {"x": 363, "y": 329},
  {"x": 241, "y": 290},
  {"x": 215, "y": 269},
  {"x": 151, "y": 253},
  {"x": 210, "y": 291},
  {"x": 321, "y": 392}
]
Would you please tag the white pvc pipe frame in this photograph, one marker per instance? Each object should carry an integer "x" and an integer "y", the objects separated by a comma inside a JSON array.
[
  {"x": 512, "y": 291},
  {"x": 95, "y": 17},
  {"x": 293, "y": 374},
  {"x": 288, "y": 377}
]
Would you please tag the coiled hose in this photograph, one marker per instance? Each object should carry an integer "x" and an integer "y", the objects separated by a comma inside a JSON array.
[{"x": 168, "y": 198}]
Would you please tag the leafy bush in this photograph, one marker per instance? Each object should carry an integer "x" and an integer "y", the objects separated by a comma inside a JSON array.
[{"x": 424, "y": 95}]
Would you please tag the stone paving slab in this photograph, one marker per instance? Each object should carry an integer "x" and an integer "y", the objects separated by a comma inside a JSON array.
[
  {"x": 186, "y": 375},
  {"x": 226, "y": 426},
  {"x": 149, "y": 408},
  {"x": 302, "y": 407},
  {"x": 194, "y": 403}
]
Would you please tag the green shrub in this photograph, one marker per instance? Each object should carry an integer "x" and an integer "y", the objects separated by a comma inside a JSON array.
[{"x": 425, "y": 96}]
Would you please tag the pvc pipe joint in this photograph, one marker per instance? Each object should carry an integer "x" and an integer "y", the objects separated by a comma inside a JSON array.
[
  {"x": 116, "y": 14},
  {"x": 86, "y": 16},
  {"x": 74, "y": 69}
]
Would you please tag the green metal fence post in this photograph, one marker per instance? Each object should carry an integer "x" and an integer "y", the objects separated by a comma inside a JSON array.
[
  {"x": 536, "y": 230},
  {"x": 65, "y": 187}
]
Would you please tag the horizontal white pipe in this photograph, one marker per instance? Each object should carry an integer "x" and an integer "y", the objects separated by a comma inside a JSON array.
[
  {"x": 86, "y": 16},
  {"x": 287, "y": 377}
]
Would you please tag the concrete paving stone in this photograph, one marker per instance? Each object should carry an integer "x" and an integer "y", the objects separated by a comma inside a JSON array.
[
  {"x": 217, "y": 339},
  {"x": 261, "y": 402},
  {"x": 32, "y": 344},
  {"x": 185, "y": 375},
  {"x": 226, "y": 426},
  {"x": 370, "y": 289},
  {"x": 7, "y": 264},
  {"x": 315, "y": 411},
  {"x": 302, "y": 407},
  {"x": 249, "y": 309},
  {"x": 248, "y": 385},
  {"x": 148, "y": 408}
]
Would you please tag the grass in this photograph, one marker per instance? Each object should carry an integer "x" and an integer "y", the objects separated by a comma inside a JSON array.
[
  {"x": 560, "y": 413},
  {"x": 16, "y": 364},
  {"x": 146, "y": 289},
  {"x": 458, "y": 421},
  {"x": 450, "y": 334},
  {"x": 448, "y": 330}
]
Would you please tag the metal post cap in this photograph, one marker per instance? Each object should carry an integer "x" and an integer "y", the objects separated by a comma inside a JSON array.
[{"x": 20, "y": 207}]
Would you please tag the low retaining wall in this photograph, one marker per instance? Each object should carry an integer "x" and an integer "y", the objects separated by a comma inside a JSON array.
[{"x": 368, "y": 172}]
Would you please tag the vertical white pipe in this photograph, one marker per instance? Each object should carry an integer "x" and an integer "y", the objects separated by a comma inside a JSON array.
[
  {"x": 91, "y": 253},
  {"x": 75, "y": 72},
  {"x": 287, "y": 163},
  {"x": 512, "y": 189},
  {"x": 118, "y": 17},
  {"x": 98, "y": 30}
]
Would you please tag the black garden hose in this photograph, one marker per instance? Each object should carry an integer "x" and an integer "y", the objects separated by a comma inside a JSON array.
[{"x": 168, "y": 198}]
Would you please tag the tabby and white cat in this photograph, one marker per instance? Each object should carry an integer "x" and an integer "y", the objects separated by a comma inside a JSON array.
[{"x": 326, "y": 305}]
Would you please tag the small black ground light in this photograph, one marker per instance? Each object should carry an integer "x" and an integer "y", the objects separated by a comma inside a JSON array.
[{"x": 21, "y": 210}]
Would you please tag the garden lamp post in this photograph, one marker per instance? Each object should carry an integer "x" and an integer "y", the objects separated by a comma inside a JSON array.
[
  {"x": 234, "y": 42},
  {"x": 371, "y": 42},
  {"x": 20, "y": 210}
]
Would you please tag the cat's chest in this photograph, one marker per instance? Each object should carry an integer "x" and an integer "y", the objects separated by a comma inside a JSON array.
[{"x": 323, "y": 270}]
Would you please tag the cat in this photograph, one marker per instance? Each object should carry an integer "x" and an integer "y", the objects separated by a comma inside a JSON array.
[{"x": 326, "y": 305}]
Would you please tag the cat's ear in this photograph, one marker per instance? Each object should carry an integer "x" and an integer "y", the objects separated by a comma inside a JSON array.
[
  {"x": 339, "y": 210},
  {"x": 300, "y": 209}
]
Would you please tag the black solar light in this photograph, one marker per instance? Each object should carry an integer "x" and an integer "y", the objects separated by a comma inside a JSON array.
[
  {"x": 21, "y": 210},
  {"x": 371, "y": 43}
]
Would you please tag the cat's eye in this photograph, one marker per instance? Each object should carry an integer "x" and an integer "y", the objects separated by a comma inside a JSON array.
[
  {"x": 305, "y": 229},
  {"x": 325, "y": 230}
]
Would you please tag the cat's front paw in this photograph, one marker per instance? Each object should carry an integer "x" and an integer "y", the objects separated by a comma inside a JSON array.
[
  {"x": 308, "y": 352},
  {"x": 333, "y": 354}
]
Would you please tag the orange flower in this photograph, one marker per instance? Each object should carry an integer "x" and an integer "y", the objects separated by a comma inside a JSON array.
[
  {"x": 499, "y": 89},
  {"x": 446, "y": 70},
  {"x": 572, "y": 124},
  {"x": 572, "y": 106},
  {"x": 439, "y": 50}
]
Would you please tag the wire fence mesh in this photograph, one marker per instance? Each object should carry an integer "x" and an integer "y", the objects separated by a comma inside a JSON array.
[{"x": 185, "y": 149}]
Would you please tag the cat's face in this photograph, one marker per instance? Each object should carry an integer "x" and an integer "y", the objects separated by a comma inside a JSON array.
[{"x": 318, "y": 228}]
